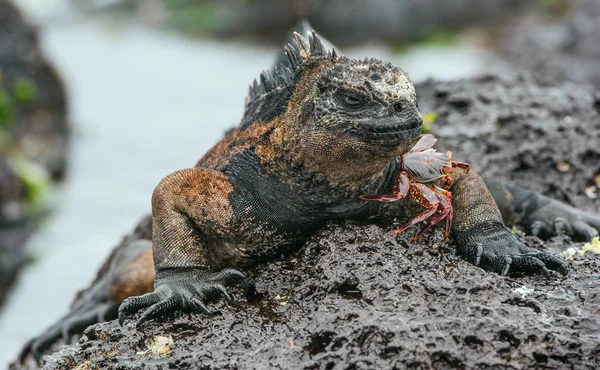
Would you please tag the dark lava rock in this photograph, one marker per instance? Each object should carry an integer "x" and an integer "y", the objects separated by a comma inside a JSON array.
[
  {"x": 33, "y": 135},
  {"x": 355, "y": 297},
  {"x": 560, "y": 49},
  {"x": 545, "y": 137}
]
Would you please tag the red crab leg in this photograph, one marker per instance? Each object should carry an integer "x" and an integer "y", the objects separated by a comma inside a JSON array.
[
  {"x": 448, "y": 167},
  {"x": 445, "y": 211},
  {"x": 425, "y": 142},
  {"x": 448, "y": 218},
  {"x": 427, "y": 226},
  {"x": 399, "y": 190},
  {"x": 447, "y": 183},
  {"x": 462, "y": 165},
  {"x": 443, "y": 191},
  {"x": 425, "y": 197}
]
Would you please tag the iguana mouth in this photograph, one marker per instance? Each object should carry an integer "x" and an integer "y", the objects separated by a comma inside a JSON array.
[{"x": 385, "y": 132}]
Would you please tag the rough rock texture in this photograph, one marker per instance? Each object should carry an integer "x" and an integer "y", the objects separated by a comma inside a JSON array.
[
  {"x": 354, "y": 297},
  {"x": 358, "y": 298},
  {"x": 33, "y": 136},
  {"x": 564, "y": 48}
]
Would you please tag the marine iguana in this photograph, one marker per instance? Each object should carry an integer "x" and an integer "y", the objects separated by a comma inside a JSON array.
[{"x": 314, "y": 137}]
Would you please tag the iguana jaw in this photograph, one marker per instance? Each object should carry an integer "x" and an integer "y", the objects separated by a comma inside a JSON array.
[{"x": 386, "y": 133}]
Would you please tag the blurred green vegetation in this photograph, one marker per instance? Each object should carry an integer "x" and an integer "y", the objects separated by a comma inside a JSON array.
[
  {"x": 193, "y": 17},
  {"x": 436, "y": 38},
  {"x": 34, "y": 178},
  {"x": 428, "y": 120},
  {"x": 24, "y": 91},
  {"x": 32, "y": 260},
  {"x": 553, "y": 7},
  {"x": 5, "y": 138},
  {"x": 440, "y": 37},
  {"x": 6, "y": 109}
]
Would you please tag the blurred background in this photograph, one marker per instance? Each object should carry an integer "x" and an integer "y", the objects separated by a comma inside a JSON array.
[{"x": 100, "y": 99}]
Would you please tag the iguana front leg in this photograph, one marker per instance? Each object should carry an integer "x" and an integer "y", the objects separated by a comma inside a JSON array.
[
  {"x": 483, "y": 239},
  {"x": 540, "y": 215},
  {"x": 192, "y": 222}
]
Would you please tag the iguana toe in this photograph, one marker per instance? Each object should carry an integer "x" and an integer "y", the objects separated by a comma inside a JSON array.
[{"x": 501, "y": 251}]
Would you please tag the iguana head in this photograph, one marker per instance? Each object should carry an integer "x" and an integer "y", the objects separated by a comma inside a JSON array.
[
  {"x": 368, "y": 101},
  {"x": 346, "y": 118}
]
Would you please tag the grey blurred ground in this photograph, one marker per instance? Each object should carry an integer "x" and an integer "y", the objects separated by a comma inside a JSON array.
[
  {"x": 348, "y": 22},
  {"x": 564, "y": 48}
]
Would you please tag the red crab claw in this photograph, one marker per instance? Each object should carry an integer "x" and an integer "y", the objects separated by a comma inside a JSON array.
[{"x": 425, "y": 142}]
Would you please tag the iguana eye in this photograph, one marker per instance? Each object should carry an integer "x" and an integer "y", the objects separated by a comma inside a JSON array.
[{"x": 351, "y": 99}]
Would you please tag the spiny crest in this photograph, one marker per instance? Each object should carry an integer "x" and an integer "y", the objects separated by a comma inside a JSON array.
[
  {"x": 298, "y": 52},
  {"x": 269, "y": 81},
  {"x": 301, "y": 49}
]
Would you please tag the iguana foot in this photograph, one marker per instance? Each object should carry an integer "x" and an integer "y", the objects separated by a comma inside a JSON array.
[
  {"x": 501, "y": 251},
  {"x": 550, "y": 217},
  {"x": 578, "y": 229},
  {"x": 70, "y": 325},
  {"x": 180, "y": 288}
]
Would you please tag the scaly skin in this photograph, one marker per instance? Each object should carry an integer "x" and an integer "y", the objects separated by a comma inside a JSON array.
[{"x": 331, "y": 129}]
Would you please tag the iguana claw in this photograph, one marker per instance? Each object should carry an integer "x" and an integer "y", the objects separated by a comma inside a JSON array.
[{"x": 176, "y": 289}]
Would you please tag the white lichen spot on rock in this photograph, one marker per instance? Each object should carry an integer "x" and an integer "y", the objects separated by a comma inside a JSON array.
[
  {"x": 563, "y": 166},
  {"x": 590, "y": 191},
  {"x": 570, "y": 252},
  {"x": 284, "y": 299},
  {"x": 524, "y": 290},
  {"x": 161, "y": 346}
]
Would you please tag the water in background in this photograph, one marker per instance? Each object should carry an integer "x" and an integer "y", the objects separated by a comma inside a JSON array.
[{"x": 143, "y": 103}]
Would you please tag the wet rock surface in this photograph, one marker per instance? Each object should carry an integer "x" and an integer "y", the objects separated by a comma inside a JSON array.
[
  {"x": 355, "y": 297},
  {"x": 33, "y": 136},
  {"x": 566, "y": 48}
]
